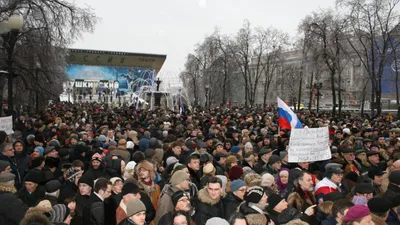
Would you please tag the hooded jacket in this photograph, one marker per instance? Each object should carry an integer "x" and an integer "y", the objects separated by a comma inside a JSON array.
[{"x": 206, "y": 207}]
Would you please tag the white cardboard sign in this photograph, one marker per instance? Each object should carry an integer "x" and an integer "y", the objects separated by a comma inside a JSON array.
[
  {"x": 309, "y": 145},
  {"x": 6, "y": 124}
]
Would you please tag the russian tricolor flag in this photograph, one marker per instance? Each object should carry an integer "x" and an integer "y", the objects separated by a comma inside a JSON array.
[{"x": 287, "y": 118}]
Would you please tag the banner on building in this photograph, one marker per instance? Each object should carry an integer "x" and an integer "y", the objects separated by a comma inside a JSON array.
[
  {"x": 6, "y": 124},
  {"x": 309, "y": 145}
]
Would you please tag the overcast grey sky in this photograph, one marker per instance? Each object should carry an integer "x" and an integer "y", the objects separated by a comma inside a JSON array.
[{"x": 173, "y": 27}]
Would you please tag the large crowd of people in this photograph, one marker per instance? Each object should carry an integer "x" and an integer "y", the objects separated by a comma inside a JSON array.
[{"x": 90, "y": 164}]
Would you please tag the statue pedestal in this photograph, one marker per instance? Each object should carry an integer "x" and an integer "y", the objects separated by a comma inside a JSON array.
[{"x": 157, "y": 99}]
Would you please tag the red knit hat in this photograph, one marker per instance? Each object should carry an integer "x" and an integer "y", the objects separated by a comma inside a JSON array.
[
  {"x": 356, "y": 212},
  {"x": 235, "y": 172}
]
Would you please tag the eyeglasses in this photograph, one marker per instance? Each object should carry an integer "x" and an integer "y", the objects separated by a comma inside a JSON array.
[
  {"x": 183, "y": 223},
  {"x": 11, "y": 149}
]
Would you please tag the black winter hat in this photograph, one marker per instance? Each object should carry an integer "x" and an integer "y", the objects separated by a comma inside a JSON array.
[
  {"x": 178, "y": 195},
  {"x": 34, "y": 177},
  {"x": 130, "y": 188},
  {"x": 36, "y": 162},
  {"x": 364, "y": 188},
  {"x": 254, "y": 195},
  {"x": 274, "y": 200},
  {"x": 80, "y": 149},
  {"x": 394, "y": 177},
  {"x": 288, "y": 215},
  {"x": 379, "y": 205},
  {"x": 52, "y": 162},
  {"x": 85, "y": 179},
  {"x": 63, "y": 152},
  {"x": 52, "y": 186}
]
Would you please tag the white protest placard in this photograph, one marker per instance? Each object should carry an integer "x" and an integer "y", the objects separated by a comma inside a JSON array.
[
  {"x": 309, "y": 145},
  {"x": 6, "y": 124}
]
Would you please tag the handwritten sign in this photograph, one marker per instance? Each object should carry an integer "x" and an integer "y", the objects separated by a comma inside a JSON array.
[
  {"x": 309, "y": 145},
  {"x": 6, "y": 124}
]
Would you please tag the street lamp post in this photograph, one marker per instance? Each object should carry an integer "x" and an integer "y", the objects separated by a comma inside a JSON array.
[
  {"x": 9, "y": 31},
  {"x": 318, "y": 86},
  {"x": 206, "y": 88}
]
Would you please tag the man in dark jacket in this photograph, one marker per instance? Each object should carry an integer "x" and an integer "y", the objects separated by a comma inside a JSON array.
[
  {"x": 144, "y": 141},
  {"x": 7, "y": 154},
  {"x": 181, "y": 202},
  {"x": 209, "y": 202},
  {"x": 12, "y": 209},
  {"x": 234, "y": 198},
  {"x": 93, "y": 212}
]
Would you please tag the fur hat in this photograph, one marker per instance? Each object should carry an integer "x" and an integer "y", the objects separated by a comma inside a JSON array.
[{"x": 147, "y": 166}]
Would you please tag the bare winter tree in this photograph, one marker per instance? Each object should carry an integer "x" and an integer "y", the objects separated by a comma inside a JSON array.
[
  {"x": 372, "y": 23},
  {"x": 324, "y": 32},
  {"x": 40, "y": 50}
]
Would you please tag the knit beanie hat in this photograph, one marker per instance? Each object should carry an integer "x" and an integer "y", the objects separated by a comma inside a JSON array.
[
  {"x": 356, "y": 212},
  {"x": 85, "y": 179},
  {"x": 40, "y": 149},
  {"x": 59, "y": 213},
  {"x": 178, "y": 195},
  {"x": 171, "y": 160},
  {"x": 208, "y": 169},
  {"x": 235, "y": 172},
  {"x": 267, "y": 180},
  {"x": 235, "y": 149},
  {"x": 134, "y": 206},
  {"x": 254, "y": 195},
  {"x": 237, "y": 184},
  {"x": 274, "y": 200},
  {"x": 72, "y": 173},
  {"x": 52, "y": 186},
  {"x": 178, "y": 177},
  {"x": 3, "y": 165}
]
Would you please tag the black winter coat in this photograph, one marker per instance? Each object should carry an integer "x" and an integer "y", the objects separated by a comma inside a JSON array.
[
  {"x": 12, "y": 209},
  {"x": 31, "y": 199},
  {"x": 93, "y": 212},
  {"x": 231, "y": 204},
  {"x": 68, "y": 189},
  {"x": 206, "y": 208}
]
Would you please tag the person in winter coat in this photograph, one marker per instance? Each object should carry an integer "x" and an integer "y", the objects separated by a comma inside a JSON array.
[
  {"x": 32, "y": 192},
  {"x": 121, "y": 151},
  {"x": 93, "y": 212},
  {"x": 70, "y": 187},
  {"x": 136, "y": 213},
  {"x": 144, "y": 141},
  {"x": 301, "y": 196},
  {"x": 179, "y": 182},
  {"x": 12, "y": 209},
  {"x": 97, "y": 168},
  {"x": 254, "y": 206},
  {"x": 7, "y": 154},
  {"x": 21, "y": 157},
  {"x": 209, "y": 201},
  {"x": 181, "y": 203},
  {"x": 52, "y": 189},
  {"x": 331, "y": 182},
  {"x": 146, "y": 175},
  {"x": 233, "y": 199}
]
